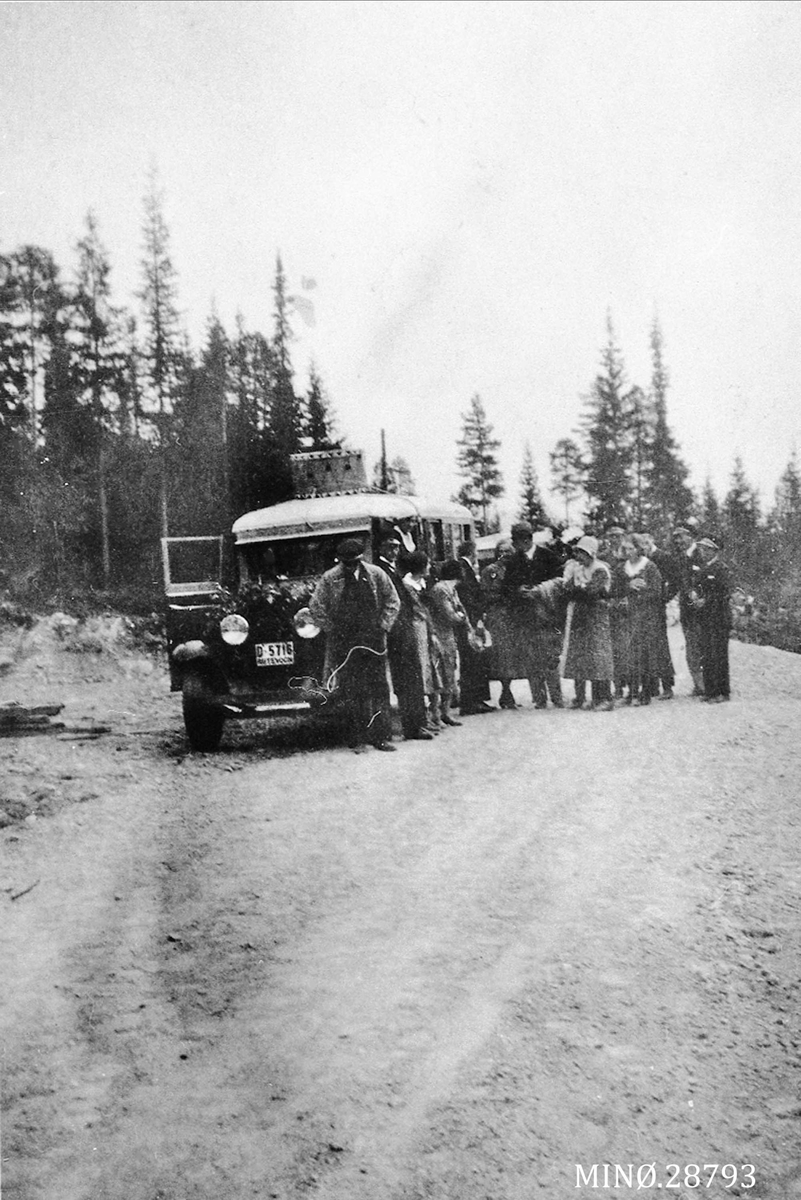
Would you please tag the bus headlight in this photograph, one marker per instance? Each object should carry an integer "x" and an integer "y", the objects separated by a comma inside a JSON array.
[
  {"x": 234, "y": 629},
  {"x": 304, "y": 625}
]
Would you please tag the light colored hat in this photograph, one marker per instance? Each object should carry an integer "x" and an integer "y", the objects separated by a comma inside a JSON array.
[{"x": 588, "y": 544}]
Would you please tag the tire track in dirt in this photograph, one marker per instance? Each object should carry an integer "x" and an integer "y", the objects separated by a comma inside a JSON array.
[{"x": 449, "y": 972}]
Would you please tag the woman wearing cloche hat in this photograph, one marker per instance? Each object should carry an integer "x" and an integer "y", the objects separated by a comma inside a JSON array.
[{"x": 587, "y": 652}]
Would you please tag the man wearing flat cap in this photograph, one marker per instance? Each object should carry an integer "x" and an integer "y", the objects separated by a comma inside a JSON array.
[
  {"x": 714, "y": 607},
  {"x": 356, "y": 605}
]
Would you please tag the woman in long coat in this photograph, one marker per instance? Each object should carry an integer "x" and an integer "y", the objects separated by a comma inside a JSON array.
[
  {"x": 587, "y": 651},
  {"x": 503, "y": 632},
  {"x": 639, "y": 587},
  {"x": 429, "y": 650},
  {"x": 448, "y": 615}
]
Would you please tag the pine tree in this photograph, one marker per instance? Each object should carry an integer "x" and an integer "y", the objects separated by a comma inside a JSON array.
[
  {"x": 477, "y": 462},
  {"x": 669, "y": 499},
  {"x": 161, "y": 355},
  {"x": 607, "y": 426},
  {"x": 531, "y": 506},
  {"x": 567, "y": 473}
]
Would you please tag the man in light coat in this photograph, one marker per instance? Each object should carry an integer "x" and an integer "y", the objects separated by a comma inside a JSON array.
[{"x": 356, "y": 606}]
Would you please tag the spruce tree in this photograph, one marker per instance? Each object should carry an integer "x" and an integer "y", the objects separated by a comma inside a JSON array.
[
  {"x": 32, "y": 324},
  {"x": 200, "y": 438},
  {"x": 787, "y": 512},
  {"x": 607, "y": 428},
  {"x": 531, "y": 506},
  {"x": 477, "y": 463},
  {"x": 567, "y": 473},
  {"x": 161, "y": 354},
  {"x": 286, "y": 418},
  {"x": 319, "y": 425},
  {"x": 741, "y": 525},
  {"x": 31, "y": 297},
  {"x": 259, "y": 474},
  {"x": 785, "y": 528},
  {"x": 669, "y": 500},
  {"x": 100, "y": 363},
  {"x": 14, "y": 355},
  {"x": 709, "y": 510},
  {"x": 741, "y": 506},
  {"x": 641, "y": 441}
]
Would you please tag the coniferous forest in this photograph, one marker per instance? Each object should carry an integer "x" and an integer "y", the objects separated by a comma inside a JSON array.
[
  {"x": 623, "y": 466},
  {"x": 115, "y": 431}
]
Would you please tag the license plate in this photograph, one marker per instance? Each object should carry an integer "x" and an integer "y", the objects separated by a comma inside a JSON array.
[{"x": 275, "y": 654}]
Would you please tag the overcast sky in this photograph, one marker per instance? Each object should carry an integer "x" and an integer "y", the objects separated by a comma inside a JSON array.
[{"x": 470, "y": 185}]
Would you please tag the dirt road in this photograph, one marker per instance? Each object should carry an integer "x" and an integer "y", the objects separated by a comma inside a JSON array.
[{"x": 547, "y": 941}]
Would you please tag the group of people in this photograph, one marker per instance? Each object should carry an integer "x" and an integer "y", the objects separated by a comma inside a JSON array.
[{"x": 582, "y": 610}]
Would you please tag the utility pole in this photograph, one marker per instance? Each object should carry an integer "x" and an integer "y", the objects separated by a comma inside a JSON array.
[{"x": 384, "y": 468}]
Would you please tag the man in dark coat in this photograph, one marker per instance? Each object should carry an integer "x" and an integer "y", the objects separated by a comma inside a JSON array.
[
  {"x": 474, "y": 689},
  {"x": 404, "y": 660},
  {"x": 529, "y": 566},
  {"x": 356, "y": 606},
  {"x": 714, "y": 607}
]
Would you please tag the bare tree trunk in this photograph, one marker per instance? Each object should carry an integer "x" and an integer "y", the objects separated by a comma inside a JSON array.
[{"x": 165, "y": 529}]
